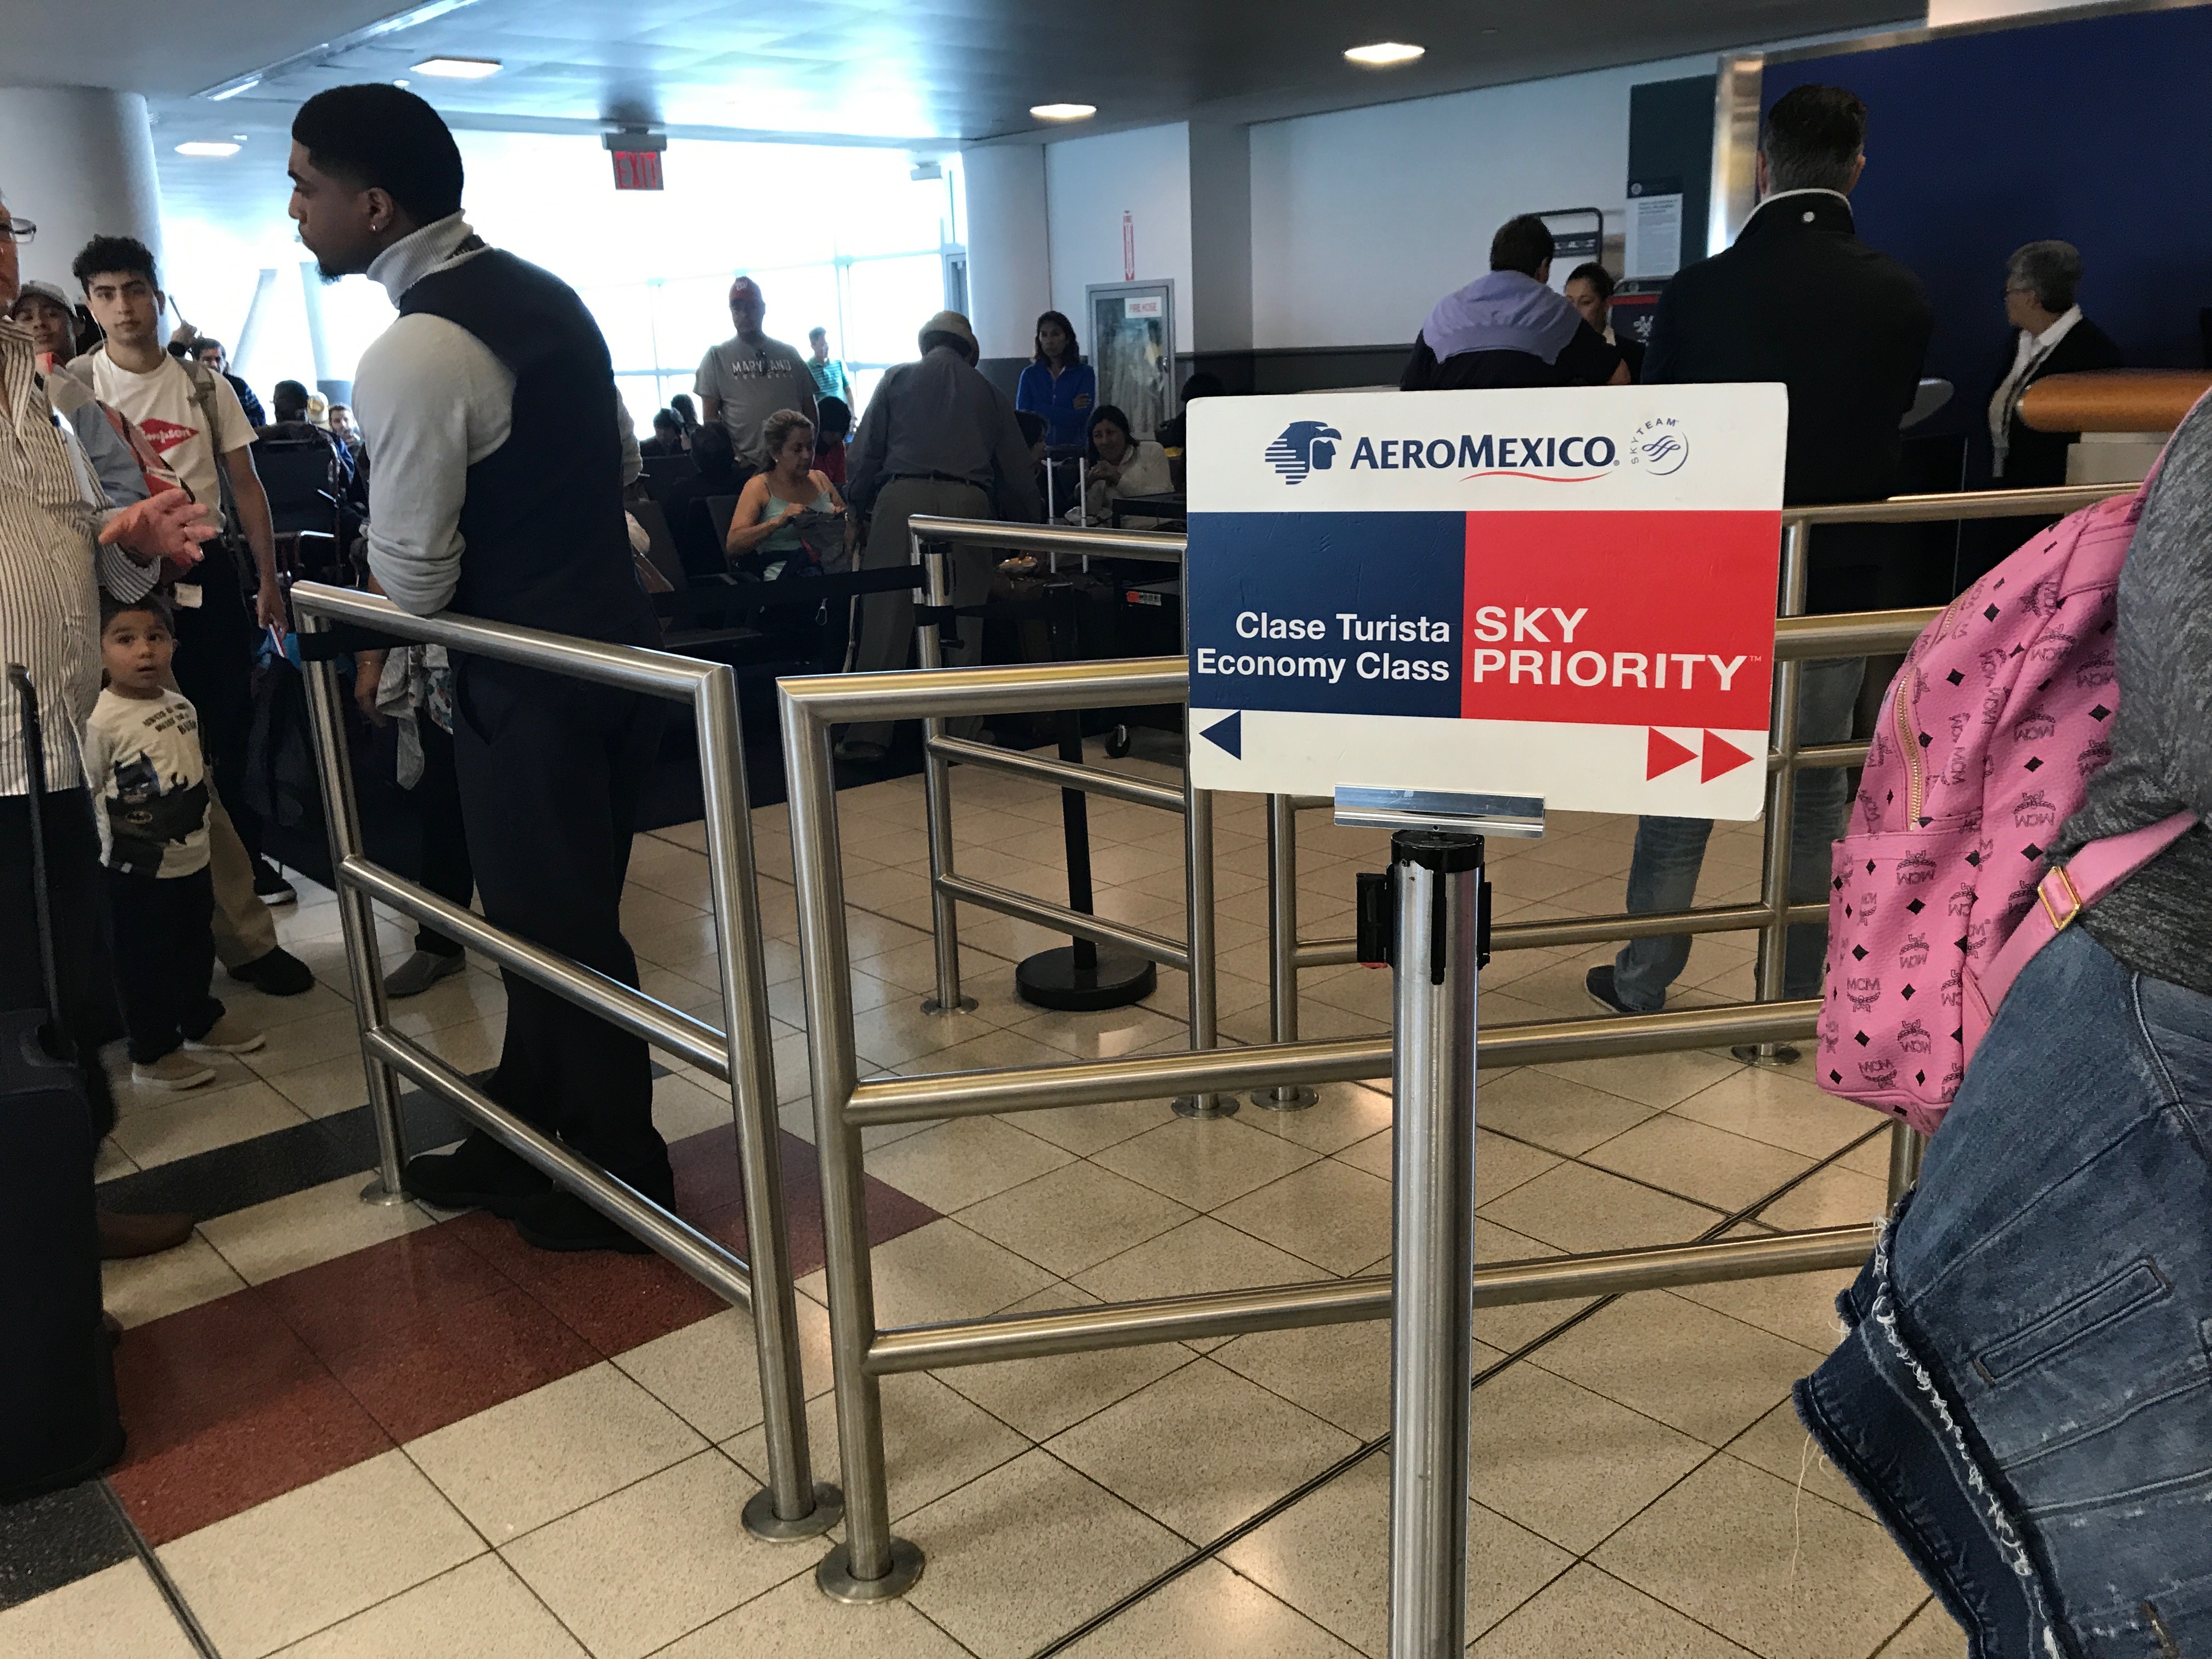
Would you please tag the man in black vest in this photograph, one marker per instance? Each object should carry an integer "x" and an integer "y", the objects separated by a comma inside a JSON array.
[
  {"x": 496, "y": 490},
  {"x": 1800, "y": 300}
]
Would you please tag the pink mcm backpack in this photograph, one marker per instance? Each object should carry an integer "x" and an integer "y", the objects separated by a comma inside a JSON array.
[{"x": 1986, "y": 742}]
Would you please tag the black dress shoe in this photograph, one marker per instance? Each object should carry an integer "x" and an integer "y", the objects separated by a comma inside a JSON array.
[
  {"x": 278, "y": 973},
  {"x": 563, "y": 1221},
  {"x": 271, "y": 887},
  {"x": 1599, "y": 983},
  {"x": 479, "y": 1174}
]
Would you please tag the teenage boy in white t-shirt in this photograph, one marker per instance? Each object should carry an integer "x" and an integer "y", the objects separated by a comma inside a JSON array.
[
  {"x": 191, "y": 417},
  {"x": 142, "y": 761}
]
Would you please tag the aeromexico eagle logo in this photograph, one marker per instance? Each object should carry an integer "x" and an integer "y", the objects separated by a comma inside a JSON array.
[{"x": 1304, "y": 447}]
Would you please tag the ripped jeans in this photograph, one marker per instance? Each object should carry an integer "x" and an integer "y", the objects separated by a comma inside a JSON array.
[{"x": 2024, "y": 1394}]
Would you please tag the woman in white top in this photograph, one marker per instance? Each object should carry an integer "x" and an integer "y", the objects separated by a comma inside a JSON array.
[{"x": 1119, "y": 465}]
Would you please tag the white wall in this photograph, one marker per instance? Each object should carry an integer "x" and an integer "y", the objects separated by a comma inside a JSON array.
[
  {"x": 1009, "y": 271},
  {"x": 1363, "y": 219},
  {"x": 78, "y": 162},
  {"x": 1089, "y": 184}
]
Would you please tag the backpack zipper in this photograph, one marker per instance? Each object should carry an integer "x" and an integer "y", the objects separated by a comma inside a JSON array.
[{"x": 1908, "y": 692}]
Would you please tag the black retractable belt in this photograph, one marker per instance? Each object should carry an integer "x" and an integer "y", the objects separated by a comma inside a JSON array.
[{"x": 1079, "y": 977}]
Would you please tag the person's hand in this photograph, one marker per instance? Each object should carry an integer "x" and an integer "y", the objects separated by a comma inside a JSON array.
[
  {"x": 787, "y": 515},
  {"x": 269, "y": 607},
  {"x": 180, "y": 333},
  {"x": 167, "y": 525},
  {"x": 367, "y": 674}
]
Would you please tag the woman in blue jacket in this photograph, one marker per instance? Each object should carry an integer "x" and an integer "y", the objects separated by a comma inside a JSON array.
[{"x": 1059, "y": 385}]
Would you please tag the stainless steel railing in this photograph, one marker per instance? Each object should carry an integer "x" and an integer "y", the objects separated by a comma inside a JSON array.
[
  {"x": 928, "y": 537},
  {"x": 792, "y": 1506},
  {"x": 874, "y": 1564}
]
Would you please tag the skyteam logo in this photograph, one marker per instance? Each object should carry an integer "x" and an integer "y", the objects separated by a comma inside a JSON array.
[
  {"x": 1660, "y": 446},
  {"x": 1306, "y": 446}
]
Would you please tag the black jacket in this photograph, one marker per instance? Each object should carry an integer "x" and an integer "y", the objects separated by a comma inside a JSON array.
[
  {"x": 2036, "y": 459},
  {"x": 1800, "y": 300}
]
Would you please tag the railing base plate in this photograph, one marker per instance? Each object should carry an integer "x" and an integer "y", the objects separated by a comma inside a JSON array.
[
  {"x": 1765, "y": 1054},
  {"x": 1203, "y": 1106},
  {"x": 834, "y": 1578},
  {"x": 377, "y": 1193},
  {"x": 1293, "y": 1099},
  {"x": 761, "y": 1520},
  {"x": 931, "y": 1006}
]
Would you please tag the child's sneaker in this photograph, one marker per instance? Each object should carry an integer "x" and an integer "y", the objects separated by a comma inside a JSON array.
[
  {"x": 227, "y": 1035},
  {"x": 174, "y": 1070}
]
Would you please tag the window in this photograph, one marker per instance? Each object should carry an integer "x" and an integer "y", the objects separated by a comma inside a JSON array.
[{"x": 653, "y": 267}]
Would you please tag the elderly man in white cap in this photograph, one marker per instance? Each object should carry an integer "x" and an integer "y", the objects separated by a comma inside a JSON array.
[{"x": 937, "y": 438}]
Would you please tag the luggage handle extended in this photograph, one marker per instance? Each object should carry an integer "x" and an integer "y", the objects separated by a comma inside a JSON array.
[{"x": 35, "y": 773}]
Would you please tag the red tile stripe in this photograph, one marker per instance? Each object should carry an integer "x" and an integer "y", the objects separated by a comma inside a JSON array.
[{"x": 243, "y": 1399}]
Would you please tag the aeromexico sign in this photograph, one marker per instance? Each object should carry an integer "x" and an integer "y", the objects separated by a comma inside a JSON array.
[
  {"x": 1660, "y": 445},
  {"x": 1558, "y": 592}
]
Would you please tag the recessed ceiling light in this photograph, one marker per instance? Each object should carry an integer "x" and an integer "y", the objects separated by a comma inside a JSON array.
[
  {"x": 458, "y": 68},
  {"x": 399, "y": 83},
  {"x": 1063, "y": 112},
  {"x": 207, "y": 147},
  {"x": 1384, "y": 53}
]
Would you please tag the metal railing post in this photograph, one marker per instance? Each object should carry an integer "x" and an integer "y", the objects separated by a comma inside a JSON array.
[
  {"x": 870, "y": 1565},
  {"x": 1782, "y": 794},
  {"x": 1907, "y": 1146},
  {"x": 364, "y": 963},
  {"x": 1197, "y": 893},
  {"x": 936, "y": 792},
  {"x": 1283, "y": 945},
  {"x": 791, "y": 1506},
  {"x": 1438, "y": 876}
]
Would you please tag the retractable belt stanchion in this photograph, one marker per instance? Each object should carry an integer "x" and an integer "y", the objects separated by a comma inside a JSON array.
[
  {"x": 1437, "y": 875},
  {"x": 1429, "y": 918}
]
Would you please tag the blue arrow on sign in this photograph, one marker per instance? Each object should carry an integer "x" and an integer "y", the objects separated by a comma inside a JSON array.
[{"x": 1228, "y": 734}]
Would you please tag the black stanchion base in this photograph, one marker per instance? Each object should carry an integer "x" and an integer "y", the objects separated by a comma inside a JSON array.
[{"x": 1050, "y": 979}]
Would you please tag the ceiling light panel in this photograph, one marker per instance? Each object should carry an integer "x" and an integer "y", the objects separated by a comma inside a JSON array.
[
  {"x": 458, "y": 68},
  {"x": 1063, "y": 112},
  {"x": 207, "y": 147},
  {"x": 1384, "y": 54}
]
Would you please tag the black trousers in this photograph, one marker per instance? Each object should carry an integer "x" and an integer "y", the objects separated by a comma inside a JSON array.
[
  {"x": 164, "y": 932},
  {"x": 214, "y": 667},
  {"x": 551, "y": 771},
  {"x": 80, "y": 912},
  {"x": 446, "y": 868}
]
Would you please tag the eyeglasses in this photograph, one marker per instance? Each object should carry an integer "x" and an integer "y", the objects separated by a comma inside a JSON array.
[{"x": 17, "y": 230}]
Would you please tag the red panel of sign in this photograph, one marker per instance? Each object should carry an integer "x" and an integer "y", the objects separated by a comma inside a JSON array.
[{"x": 1610, "y": 618}]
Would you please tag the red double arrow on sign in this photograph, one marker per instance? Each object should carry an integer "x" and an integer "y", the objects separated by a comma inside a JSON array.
[{"x": 1663, "y": 754}]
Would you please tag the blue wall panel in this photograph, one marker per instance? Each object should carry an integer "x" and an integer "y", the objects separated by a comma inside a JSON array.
[{"x": 2097, "y": 132}]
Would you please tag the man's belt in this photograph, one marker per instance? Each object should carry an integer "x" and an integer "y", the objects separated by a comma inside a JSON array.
[{"x": 936, "y": 477}]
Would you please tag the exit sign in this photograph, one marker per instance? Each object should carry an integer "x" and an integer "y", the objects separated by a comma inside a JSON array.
[{"x": 637, "y": 169}]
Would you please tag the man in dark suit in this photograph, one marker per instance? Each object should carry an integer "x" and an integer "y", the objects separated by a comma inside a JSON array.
[{"x": 1800, "y": 300}]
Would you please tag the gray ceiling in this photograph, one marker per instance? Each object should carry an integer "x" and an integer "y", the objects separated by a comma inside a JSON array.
[{"x": 925, "y": 73}]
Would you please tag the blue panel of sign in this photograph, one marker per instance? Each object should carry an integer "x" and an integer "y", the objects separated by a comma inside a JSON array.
[{"x": 1350, "y": 613}]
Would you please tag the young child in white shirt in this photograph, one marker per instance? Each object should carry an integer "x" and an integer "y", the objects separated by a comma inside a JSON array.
[{"x": 142, "y": 761}]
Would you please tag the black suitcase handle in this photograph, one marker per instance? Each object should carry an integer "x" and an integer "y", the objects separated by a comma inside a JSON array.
[{"x": 34, "y": 770}]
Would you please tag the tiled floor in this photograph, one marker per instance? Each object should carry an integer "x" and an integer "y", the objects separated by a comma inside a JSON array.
[{"x": 360, "y": 1431}]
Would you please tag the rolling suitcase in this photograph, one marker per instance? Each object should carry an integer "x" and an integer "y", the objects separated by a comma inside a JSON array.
[{"x": 59, "y": 1424}]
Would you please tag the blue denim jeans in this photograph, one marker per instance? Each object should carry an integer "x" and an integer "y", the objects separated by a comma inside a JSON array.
[
  {"x": 1663, "y": 875},
  {"x": 2025, "y": 1396}
]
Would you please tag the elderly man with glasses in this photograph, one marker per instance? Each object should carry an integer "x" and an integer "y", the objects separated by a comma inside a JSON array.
[{"x": 62, "y": 540}]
